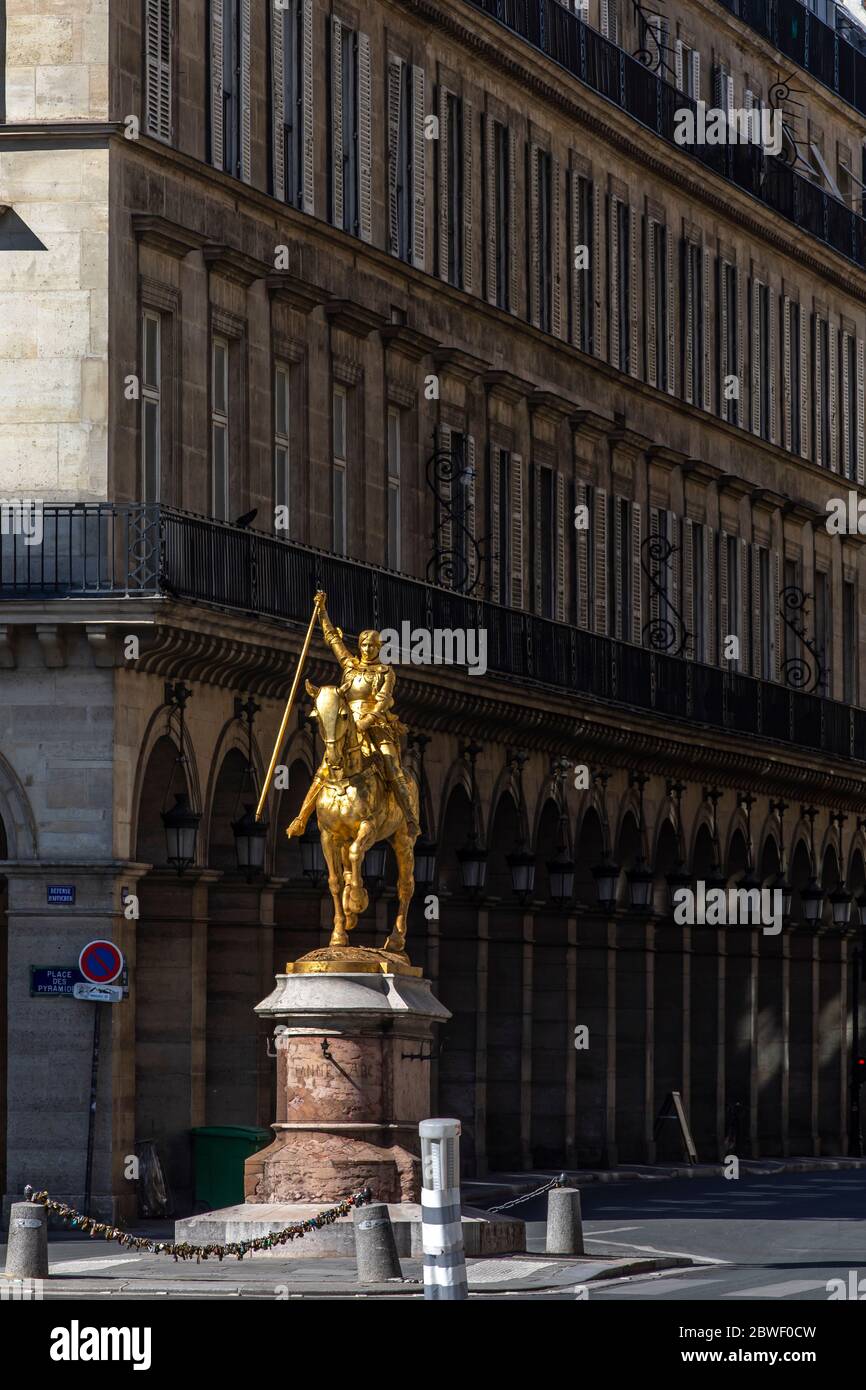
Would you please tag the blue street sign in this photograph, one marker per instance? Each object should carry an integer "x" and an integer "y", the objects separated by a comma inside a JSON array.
[
  {"x": 62, "y": 979},
  {"x": 61, "y": 894}
]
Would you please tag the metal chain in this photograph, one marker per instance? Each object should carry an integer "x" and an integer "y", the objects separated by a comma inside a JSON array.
[{"x": 527, "y": 1196}]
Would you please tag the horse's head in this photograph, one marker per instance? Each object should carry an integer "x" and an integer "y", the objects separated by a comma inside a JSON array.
[{"x": 334, "y": 718}]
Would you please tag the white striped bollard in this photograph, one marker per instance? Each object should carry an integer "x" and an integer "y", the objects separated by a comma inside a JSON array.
[{"x": 441, "y": 1228}]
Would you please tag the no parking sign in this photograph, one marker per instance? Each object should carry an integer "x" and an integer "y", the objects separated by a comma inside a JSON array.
[{"x": 100, "y": 962}]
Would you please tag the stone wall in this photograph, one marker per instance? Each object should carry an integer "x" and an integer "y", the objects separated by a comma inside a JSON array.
[{"x": 56, "y": 60}]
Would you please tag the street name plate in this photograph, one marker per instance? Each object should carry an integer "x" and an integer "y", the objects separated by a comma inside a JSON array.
[{"x": 98, "y": 994}]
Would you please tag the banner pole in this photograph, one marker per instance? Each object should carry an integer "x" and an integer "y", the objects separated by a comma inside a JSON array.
[{"x": 266, "y": 786}]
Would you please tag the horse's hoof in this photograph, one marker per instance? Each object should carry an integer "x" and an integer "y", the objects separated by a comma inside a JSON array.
[
  {"x": 395, "y": 945},
  {"x": 355, "y": 900},
  {"x": 338, "y": 938}
]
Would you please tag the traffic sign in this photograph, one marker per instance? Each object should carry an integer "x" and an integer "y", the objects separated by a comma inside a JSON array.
[
  {"x": 98, "y": 994},
  {"x": 100, "y": 962}
]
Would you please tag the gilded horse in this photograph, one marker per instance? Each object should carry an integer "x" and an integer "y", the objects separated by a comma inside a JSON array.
[{"x": 356, "y": 807}]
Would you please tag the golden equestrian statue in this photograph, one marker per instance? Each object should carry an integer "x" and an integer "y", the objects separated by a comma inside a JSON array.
[{"x": 360, "y": 792}]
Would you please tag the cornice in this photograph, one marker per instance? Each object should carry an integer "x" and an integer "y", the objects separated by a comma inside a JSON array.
[
  {"x": 233, "y": 265},
  {"x": 171, "y": 237},
  {"x": 353, "y": 318},
  {"x": 505, "y": 384},
  {"x": 298, "y": 294},
  {"x": 460, "y": 364},
  {"x": 408, "y": 342}
]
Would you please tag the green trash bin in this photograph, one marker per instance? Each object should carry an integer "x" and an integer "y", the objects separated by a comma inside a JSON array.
[{"x": 220, "y": 1152}]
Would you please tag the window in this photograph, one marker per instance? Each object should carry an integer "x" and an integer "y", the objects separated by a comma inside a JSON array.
[
  {"x": 403, "y": 190},
  {"x": 461, "y": 525},
  {"x": 547, "y": 529},
  {"x": 220, "y": 429},
  {"x": 351, "y": 131},
  {"x": 282, "y": 482},
  {"x": 502, "y": 195},
  {"x": 231, "y": 10},
  {"x": 657, "y": 294},
  {"x": 620, "y": 582},
  {"x": 230, "y": 96},
  {"x": 796, "y": 370},
  {"x": 394, "y": 519},
  {"x": 767, "y": 608},
  {"x": 349, "y": 108},
  {"x": 340, "y": 406},
  {"x": 823, "y": 628},
  {"x": 581, "y": 331},
  {"x": 289, "y": 103},
  {"x": 620, "y": 273},
  {"x": 454, "y": 207},
  {"x": 821, "y": 359},
  {"x": 850, "y": 644},
  {"x": 542, "y": 248},
  {"x": 731, "y": 619},
  {"x": 763, "y": 367},
  {"x": 732, "y": 409},
  {"x": 151, "y": 406},
  {"x": 157, "y": 37},
  {"x": 503, "y": 536},
  {"x": 699, "y": 595},
  {"x": 792, "y": 580},
  {"x": 694, "y": 311},
  {"x": 688, "y": 70},
  {"x": 848, "y": 377}
]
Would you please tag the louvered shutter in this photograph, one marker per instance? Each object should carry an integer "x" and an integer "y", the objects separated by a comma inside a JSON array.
[
  {"x": 706, "y": 325},
  {"x": 833, "y": 336},
  {"x": 804, "y": 384},
  {"x": 516, "y": 531},
  {"x": 157, "y": 38},
  {"x": 217, "y": 132},
  {"x": 513, "y": 262},
  {"x": 537, "y": 576},
  {"x": 616, "y": 628},
  {"x": 446, "y": 491},
  {"x": 309, "y": 161},
  {"x": 600, "y": 559},
  {"x": 689, "y": 594},
  {"x": 278, "y": 92},
  {"x": 604, "y": 17},
  {"x": 776, "y": 628},
  {"x": 599, "y": 318},
  {"x": 468, "y": 218},
  {"x": 556, "y": 248},
  {"x": 337, "y": 122},
  {"x": 656, "y": 517},
  {"x": 725, "y": 310},
  {"x": 489, "y": 157},
  {"x": 847, "y": 425},
  {"x": 495, "y": 505},
  {"x": 577, "y": 277},
  {"x": 633, "y": 319},
  {"x": 678, "y": 65},
  {"x": 756, "y": 356},
  {"x": 696, "y": 74},
  {"x": 757, "y": 631},
  {"x": 469, "y": 511},
  {"x": 442, "y": 172},
  {"x": 534, "y": 241},
  {"x": 614, "y": 346},
  {"x": 709, "y": 540},
  {"x": 744, "y": 604},
  {"x": 636, "y": 599},
  {"x": 419, "y": 171},
  {"x": 670, "y": 313},
  {"x": 741, "y": 348},
  {"x": 651, "y": 291},
  {"x": 365, "y": 138},
  {"x": 395, "y": 85},
  {"x": 690, "y": 289},
  {"x": 772, "y": 393},
  {"x": 819, "y": 392},
  {"x": 723, "y": 595},
  {"x": 787, "y": 398},
  {"x": 246, "y": 93},
  {"x": 674, "y": 562},
  {"x": 582, "y": 558},
  {"x": 861, "y": 465},
  {"x": 560, "y": 596}
]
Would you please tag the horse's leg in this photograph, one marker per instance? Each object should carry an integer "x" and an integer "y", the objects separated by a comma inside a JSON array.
[
  {"x": 334, "y": 860},
  {"x": 355, "y": 899},
  {"x": 402, "y": 843}
]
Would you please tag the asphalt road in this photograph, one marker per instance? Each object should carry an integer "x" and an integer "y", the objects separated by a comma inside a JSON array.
[{"x": 773, "y": 1237}]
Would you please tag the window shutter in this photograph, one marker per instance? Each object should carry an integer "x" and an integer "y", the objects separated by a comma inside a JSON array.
[
  {"x": 678, "y": 65},
  {"x": 670, "y": 313},
  {"x": 365, "y": 138},
  {"x": 706, "y": 321},
  {"x": 489, "y": 158},
  {"x": 709, "y": 540},
  {"x": 636, "y": 601},
  {"x": 651, "y": 291},
  {"x": 442, "y": 171},
  {"x": 723, "y": 595},
  {"x": 725, "y": 310},
  {"x": 656, "y": 516},
  {"x": 516, "y": 531},
  {"x": 600, "y": 558},
  {"x": 468, "y": 220},
  {"x": 787, "y": 424},
  {"x": 861, "y": 466},
  {"x": 846, "y": 460},
  {"x": 559, "y": 597},
  {"x": 804, "y": 384},
  {"x": 395, "y": 66},
  {"x": 337, "y": 122},
  {"x": 599, "y": 321},
  {"x": 308, "y": 198},
  {"x": 689, "y": 586},
  {"x": 582, "y": 558},
  {"x": 514, "y": 288},
  {"x": 157, "y": 38},
  {"x": 604, "y": 17},
  {"x": 833, "y": 336},
  {"x": 419, "y": 172},
  {"x": 577, "y": 277},
  {"x": 756, "y": 356},
  {"x": 775, "y": 592},
  {"x": 469, "y": 516},
  {"x": 633, "y": 319},
  {"x": 744, "y": 604},
  {"x": 446, "y": 488},
  {"x": 756, "y": 612},
  {"x": 614, "y": 346},
  {"x": 772, "y": 359},
  {"x": 741, "y": 349},
  {"x": 278, "y": 113},
  {"x": 617, "y": 629},
  {"x": 819, "y": 392},
  {"x": 673, "y": 538},
  {"x": 246, "y": 94},
  {"x": 690, "y": 290},
  {"x": 534, "y": 242},
  {"x": 495, "y": 505},
  {"x": 217, "y": 134},
  {"x": 696, "y": 74},
  {"x": 556, "y": 247},
  {"x": 536, "y": 537}
]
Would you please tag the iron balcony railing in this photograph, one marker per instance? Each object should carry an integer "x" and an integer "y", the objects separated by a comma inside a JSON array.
[
  {"x": 799, "y": 34},
  {"x": 129, "y": 552},
  {"x": 654, "y": 102}
]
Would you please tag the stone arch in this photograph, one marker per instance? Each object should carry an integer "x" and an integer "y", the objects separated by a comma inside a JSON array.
[
  {"x": 225, "y": 805},
  {"x": 456, "y": 776},
  {"x": 456, "y": 824},
  {"x": 588, "y": 851},
  {"x": 145, "y": 791},
  {"x": 627, "y": 851},
  {"x": 504, "y": 834},
  {"x": 232, "y": 744},
  {"x": 20, "y": 836},
  {"x": 664, "y": 860},
  {"x": 545, "y": 840},
  {"x": 737, "y": 858},
  {"x": 703, "y": 856}
]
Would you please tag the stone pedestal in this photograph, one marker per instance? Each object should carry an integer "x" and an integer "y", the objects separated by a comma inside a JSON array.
[{"x": 353, "y": 1082}]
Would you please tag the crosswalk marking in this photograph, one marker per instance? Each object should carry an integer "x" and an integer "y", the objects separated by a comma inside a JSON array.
[{"x": 790, "y": 1286}]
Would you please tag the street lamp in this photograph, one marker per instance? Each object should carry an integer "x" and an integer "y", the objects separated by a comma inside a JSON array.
[
  {"x": 250, "y": 834},
  {"x": 180, "y": 823},
  {"x": 521, "y": 860},
  {"x": 640, "y": 878},
  {"x": 426, "y": 850},
  {"x": 606, "y": 875},
  {"x": 472, "y": 858}
]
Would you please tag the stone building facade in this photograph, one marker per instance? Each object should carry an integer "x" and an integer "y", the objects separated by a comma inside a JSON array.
[{"x": 273, "y": 259}]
